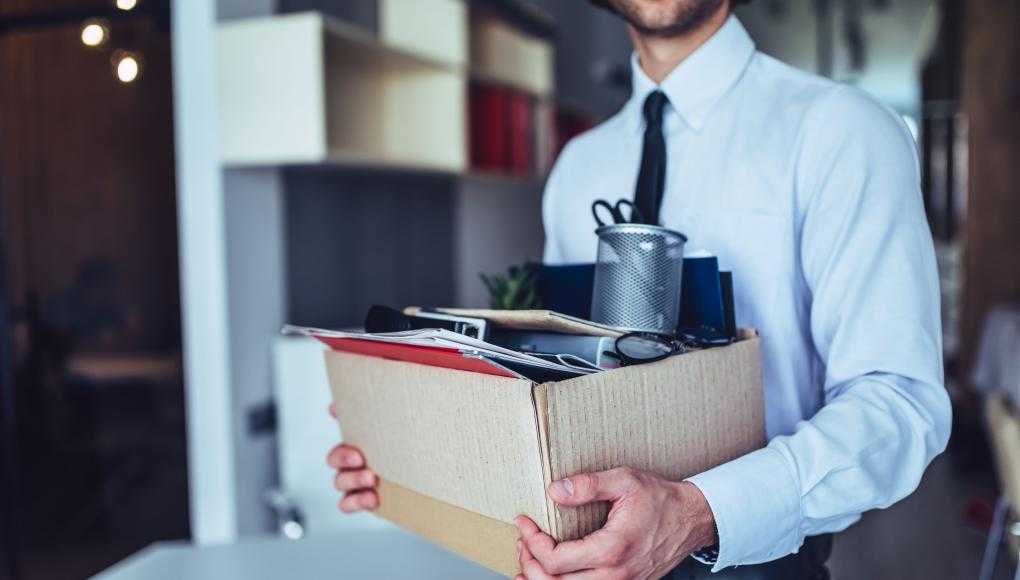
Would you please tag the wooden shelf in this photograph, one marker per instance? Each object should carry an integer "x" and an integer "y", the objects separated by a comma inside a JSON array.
[
  {"x": 503, "y": 54},
  {"x": 436, "y": 29},
  {"x": 306, "y": 89},
  {"x": 494, "y": 177},
  {"x": 523, "y": 14}
]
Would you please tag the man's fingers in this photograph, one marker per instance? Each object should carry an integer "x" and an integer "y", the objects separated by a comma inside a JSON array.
[
  {"x": 332, "y": 410},
  {"x": 523, "y": 554},
  {"x": 596, "y": 550},
  {"x": 600, "y": 574},
  {"x": 345, "y": 457},
  {"x": 355, "y": 480},
  {"x": 588, "y": 487},
  {"x": 536, "y": 541},
  {"x": 362, "y": 500},
  {"x": 531, "y": 569},
  {"x": 528, "y": 562}
]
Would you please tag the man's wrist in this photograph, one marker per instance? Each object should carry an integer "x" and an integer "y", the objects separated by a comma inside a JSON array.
[{"x": 697, "y": 513}]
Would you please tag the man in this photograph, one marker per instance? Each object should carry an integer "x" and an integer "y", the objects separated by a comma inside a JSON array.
[{"x": 808, "y": 191}]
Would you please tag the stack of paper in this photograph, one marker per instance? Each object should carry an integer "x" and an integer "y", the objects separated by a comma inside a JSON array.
[
  {"x": 440, "y": 347},
  {"x": 538, "y": 320}
]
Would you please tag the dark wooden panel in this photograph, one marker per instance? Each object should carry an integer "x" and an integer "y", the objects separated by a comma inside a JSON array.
[
  {"x": 12, "y": 7},
  {"x": 991, "y": 94},
  {"x": 86, "y": 164}
]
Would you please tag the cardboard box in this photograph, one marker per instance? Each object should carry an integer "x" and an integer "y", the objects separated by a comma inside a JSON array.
[{"x": 460, "y": 454}]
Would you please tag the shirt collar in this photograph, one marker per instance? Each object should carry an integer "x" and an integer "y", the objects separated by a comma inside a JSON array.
[{"x": 698, "y": 82}]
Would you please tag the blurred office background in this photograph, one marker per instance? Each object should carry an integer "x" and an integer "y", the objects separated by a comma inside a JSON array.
[{"x": 179, "y": 179}]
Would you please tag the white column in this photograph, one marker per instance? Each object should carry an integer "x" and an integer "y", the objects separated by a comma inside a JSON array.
[{"x": 202, "y": 249}]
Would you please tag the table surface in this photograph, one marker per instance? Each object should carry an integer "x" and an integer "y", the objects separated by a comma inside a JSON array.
[
  {"x": 383, "y": 554},
  {"x": 146, "y": 367}
]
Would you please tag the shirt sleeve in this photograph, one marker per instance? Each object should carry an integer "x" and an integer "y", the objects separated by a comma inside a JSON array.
[{"x": 867, "y": 259}]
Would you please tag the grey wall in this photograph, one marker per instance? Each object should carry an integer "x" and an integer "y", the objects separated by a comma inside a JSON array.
[
  {"x": 256, "y": 285},
  {"x": 499, "y": 224},
  {"x": 590, "y": 42},
  {"x": 364, "y": 13},
  {"x": 230, "y": 9},
  {"x": 357, "y": 238}
]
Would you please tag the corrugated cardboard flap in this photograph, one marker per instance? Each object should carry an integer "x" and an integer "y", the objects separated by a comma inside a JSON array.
[{"x": 486, "y": 541}]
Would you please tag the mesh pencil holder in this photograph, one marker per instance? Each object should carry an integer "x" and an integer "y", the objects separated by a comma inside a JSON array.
[{"x": 637, "y": 278}]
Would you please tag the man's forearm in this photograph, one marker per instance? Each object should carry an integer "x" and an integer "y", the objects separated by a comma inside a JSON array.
[{"x": 866, "y": 449}]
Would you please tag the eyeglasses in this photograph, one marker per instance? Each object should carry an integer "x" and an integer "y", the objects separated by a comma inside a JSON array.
[
  {"x": 636, "y": 348},
  {"x": 647, "y": 347}
]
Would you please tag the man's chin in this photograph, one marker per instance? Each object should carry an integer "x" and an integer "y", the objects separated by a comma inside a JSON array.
[
  {"x": 665, "y": 30},
  {"x": 674, "y": 24}
]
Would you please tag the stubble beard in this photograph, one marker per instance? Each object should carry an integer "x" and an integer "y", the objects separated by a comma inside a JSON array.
[{"x": 691, "y": 15}]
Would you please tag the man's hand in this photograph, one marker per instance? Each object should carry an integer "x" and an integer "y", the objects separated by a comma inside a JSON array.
[
  {"x": 653, "y": 525},
  {"x": 353, "y": 477}
]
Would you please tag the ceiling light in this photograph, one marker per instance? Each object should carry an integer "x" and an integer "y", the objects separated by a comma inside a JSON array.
[
  {"x": 127, "y": 66},
  {"x": 94, "y": 33},
  {"x": 127, "y": 4}
]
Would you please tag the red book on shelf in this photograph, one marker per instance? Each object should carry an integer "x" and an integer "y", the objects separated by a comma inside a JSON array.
[
  {"x": 488, "y": 112},
  {"x": 449, "y": 358},
  {"x": 476, "y": 122},
  {"x": 522, "y": 134}
]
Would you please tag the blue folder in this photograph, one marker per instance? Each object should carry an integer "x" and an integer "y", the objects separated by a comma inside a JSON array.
[{"x": 567, "y": 288}]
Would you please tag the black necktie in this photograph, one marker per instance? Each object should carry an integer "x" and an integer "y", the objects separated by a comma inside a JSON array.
[{"x": 652, "y": 179}]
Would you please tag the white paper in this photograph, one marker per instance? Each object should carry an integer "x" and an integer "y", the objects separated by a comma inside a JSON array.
[{"x": 442, "y": 338}]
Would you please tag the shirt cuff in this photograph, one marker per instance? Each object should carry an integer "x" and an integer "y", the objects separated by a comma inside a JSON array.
[{"x": 756, "y": 503}]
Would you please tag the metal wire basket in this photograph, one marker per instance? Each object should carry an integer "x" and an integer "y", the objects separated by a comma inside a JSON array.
[{"x": 637, "y": 278}]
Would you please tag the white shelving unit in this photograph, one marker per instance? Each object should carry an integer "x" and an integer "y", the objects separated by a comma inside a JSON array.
[{"x": 306, "y": 89}]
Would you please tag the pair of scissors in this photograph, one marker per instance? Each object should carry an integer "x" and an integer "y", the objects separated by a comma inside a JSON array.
[{"x": 616, "y": 212}]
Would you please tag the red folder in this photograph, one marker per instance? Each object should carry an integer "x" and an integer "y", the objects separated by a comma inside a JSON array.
[{"x": 449, "y": 358}]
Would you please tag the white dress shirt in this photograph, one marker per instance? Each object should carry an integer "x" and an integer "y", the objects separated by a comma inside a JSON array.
[{"x": 809, "y": 192}]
